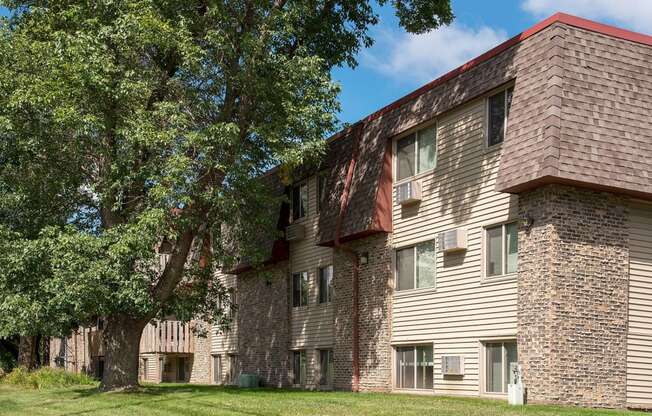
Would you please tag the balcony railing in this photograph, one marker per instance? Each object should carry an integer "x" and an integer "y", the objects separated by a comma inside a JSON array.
[{"x": 167, "y": 336}]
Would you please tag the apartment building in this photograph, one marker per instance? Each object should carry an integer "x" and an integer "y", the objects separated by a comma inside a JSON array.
[{"x": 497, "y": 219}]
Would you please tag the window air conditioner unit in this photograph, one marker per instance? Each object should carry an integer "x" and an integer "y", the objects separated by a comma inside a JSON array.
[
  {"x": 409, "y": 193},
  {"x": 452, "y": 240},
  {"x": 295, "y": 232},
  {"x": 452, "y": 365}
]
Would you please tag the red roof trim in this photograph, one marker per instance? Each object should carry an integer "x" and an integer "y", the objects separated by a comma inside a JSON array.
[
  {"x": 280, "y": 252},
  {"x": 608, "y": 30},
  {"x": 557, "y": 17},
  {"x": 352, "y": 237}
]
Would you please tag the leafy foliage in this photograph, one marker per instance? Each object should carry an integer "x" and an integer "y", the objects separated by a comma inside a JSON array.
[
  {"x": 46, "y": 378},
  {"x": 126, "y": 123},
  {"x": 7, "y": 361}
]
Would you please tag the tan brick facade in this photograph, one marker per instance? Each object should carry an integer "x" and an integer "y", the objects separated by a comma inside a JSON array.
[
  {"x": 375, "y": 290},
  {"x": 572, "y": 296},
  {"x": 201, "y": 364},
  {"x": 263, "y": 324}
]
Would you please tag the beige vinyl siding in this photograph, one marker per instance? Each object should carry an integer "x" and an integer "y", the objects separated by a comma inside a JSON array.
[
  {"x": 79, "y": 349},
  {"x": 639, "y": 338},
  {"x": 312, "y": 326},
  {"x": 463, "y": 308},
  {"x": 152, "y": 371},
  {"x": 224, "y": 343}
]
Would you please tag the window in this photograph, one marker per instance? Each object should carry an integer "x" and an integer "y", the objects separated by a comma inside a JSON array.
[
  {"x": 233, "y": 306},
  {"x": 414, "y": 367},
  {"x": 325, "y": 284},
  {"x": 145, "y": 369},
  {"x": 217, "y": 369},
  {"x": 299, "y": 201},
  {"x": 416, "y": 153},
  {"x": 415, "y": 266},
  {"x": 498, "y": 106},
  {"x": 234, "y": 369},
  {"x": 299, "y": 360},
  {"x": 63, "y": 350},
  {"x": 500, "y": 363},
  {"x": 300, "y": 289},
  {"x": 321, "y": 189},
  {"x": 501, "y": 242},
  {"x": 326, "y": 367}
]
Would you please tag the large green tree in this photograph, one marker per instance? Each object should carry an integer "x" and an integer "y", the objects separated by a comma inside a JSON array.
[{"x": 138, "y": 121}]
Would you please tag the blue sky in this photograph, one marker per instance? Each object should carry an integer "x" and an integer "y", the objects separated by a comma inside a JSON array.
[{"x": 399, "y": 63}]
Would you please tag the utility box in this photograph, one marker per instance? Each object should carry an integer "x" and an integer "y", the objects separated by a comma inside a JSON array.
[
  {"x": 515, "y": 388},
  {"x": 516, "y": 394},
  {"x": 452, "y": 240},
  {"x": 247, "y": 381},
  {"x": 408, "y": 193}
]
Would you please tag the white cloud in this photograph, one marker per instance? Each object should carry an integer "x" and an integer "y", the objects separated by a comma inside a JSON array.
[
  {"x": 631, "y": 14},
  {"x": 420, "y": 58}
]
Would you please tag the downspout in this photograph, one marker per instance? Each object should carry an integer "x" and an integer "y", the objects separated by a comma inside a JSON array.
[{"x": 355, "y": 260}]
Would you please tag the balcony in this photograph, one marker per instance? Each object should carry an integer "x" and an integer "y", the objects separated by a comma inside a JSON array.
[{"x": 168, "y": 337}]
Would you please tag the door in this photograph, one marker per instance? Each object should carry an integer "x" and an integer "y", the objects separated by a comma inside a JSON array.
[{"x": 181, "y": 369}]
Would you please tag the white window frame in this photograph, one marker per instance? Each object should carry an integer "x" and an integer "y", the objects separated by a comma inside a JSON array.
[
  {"x": 307, "y": 297},
  {"x": 234, "y": 369},
  {"x": 145, "y": 364},
  {"x": 303, "y": 368},
  {"x": 414, "y": 348},
  {"x": 233, "y": 303},
  {"x": 505, "y": 119},
  {"x": 329, "y": 288},
  {"x": 414, "y": 271},
  {"x": 503, "y": 245},
  {"x": 217, "y": 375},
  {"x": 299, "y": 184},
  {"x": 483, "y": 364},
  {"x": 407, "y": 134},
  {"x": 328, "y": 383}
]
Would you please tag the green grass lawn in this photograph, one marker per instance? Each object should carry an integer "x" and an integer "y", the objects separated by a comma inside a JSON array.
[{"x": 207, "y": 400}]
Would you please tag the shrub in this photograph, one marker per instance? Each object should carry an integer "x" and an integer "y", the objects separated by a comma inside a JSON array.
[
  {"x": 7, "y": 361},
  {"x": 46, "y": 378}
]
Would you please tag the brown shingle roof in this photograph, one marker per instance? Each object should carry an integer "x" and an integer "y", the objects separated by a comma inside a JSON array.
[{"x": 581, "y": 113}]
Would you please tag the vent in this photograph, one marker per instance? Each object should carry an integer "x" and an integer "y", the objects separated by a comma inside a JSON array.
[
  {"x": 452, "y": 240},
  {"x": 452, "y": 365},
  {"x": 295, "y": 232},
  {"x": 408, "y": 193}
]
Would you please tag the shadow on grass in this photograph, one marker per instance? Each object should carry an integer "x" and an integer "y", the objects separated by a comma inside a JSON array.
[{"x": 165, "y": 389}]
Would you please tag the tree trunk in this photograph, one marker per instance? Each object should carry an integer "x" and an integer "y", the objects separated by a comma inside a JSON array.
[
  {"x": 27, "y": 352},
  {"x": 44, "y": 349},
  {"x": 121, "y": 341}
]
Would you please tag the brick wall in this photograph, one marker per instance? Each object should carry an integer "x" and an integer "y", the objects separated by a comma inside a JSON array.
[
  {"x": 375, "y": 315},
  {"x": 264, "y": 325},
  {"x": 573, "y": 296},
  {"x": 201, "y": 359}
]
